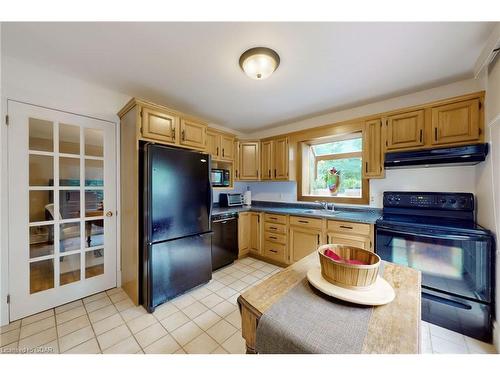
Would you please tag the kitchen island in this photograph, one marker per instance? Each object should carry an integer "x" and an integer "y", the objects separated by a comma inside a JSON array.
[{"x": 392, "y": 329}]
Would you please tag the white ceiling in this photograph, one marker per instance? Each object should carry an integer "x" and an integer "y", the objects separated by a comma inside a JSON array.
[{"x": 193, "y": 67}]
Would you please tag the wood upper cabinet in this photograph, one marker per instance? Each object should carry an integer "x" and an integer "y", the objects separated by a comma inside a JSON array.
[
  {"x": 254, "y": 243},
  {"x": 193, "y": 134},
  {"x": 236, "y": 160},
  {"x": 405, "y": 130},
  {"x": 249, "y": 161},
  {"x": 303, "y": 241},
  {"x": 213, "y": 143},
  {"x": 267, "y": 160},
  {"x": 456, "y": 122},
  {"x": 373, "y": 156},
  {"x": 227, "y": 147},
  {"x": 159, "y": 125},
  {"x": 280, "y": 158}
]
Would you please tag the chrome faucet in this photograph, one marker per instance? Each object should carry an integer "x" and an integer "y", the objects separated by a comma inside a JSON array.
[{"x": 324, "y": 205}]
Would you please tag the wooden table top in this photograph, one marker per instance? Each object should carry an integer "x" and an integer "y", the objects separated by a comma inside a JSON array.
[{"x": 393, "y": 328}]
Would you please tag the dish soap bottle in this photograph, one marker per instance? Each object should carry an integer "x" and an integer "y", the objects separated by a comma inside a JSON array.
[{"x": 247, "y": 197}]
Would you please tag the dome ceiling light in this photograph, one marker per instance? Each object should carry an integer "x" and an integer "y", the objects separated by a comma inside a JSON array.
[{"x": 259, "y": 63}]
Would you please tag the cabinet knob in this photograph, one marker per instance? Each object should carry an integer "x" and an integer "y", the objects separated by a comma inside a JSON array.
[{"x": 109, "y": 214}]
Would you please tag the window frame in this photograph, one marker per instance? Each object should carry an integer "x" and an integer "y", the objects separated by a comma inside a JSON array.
[{"x": 303, "y": 156}]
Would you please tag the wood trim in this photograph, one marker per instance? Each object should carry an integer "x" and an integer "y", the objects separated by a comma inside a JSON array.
[{"x": 346, "y": 155}]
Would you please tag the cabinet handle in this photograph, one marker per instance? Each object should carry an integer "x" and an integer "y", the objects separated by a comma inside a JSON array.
[
  {"x": 273, "y": 251},
  {"x": 217, "y": 151},
  {"x": 222, "y": 152},
  {"x": 435, "y": 134},
  {"x": 269, "y": 173},
  {"x": 173, "y": 133},
  {"x": 421, "y": 135},
  {"x": 183, "y": 135},
  {"x": 318, "y": 239},
  {"x": 366, "y": 167},
  {"x": 272, "y": 237},
  {"x": 273, "y": 228},
  {"x": 303, "y": 221},
  {"x": 275, "y": 173},
  {"x": 273, "y": 218},
  {"x": 345, "y": 227}
]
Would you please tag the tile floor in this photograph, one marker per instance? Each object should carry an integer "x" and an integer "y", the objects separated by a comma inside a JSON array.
[{"x": 205, "y": 320}]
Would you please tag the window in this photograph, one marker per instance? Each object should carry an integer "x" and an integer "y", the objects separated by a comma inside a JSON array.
[{"x": 332, "y": 170}]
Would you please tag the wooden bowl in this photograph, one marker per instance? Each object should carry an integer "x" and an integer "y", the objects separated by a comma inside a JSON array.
[{"x": 351, "y": 276}]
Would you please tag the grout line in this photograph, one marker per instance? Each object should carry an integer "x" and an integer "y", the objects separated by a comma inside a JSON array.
[{"x": 91, "y": 326}]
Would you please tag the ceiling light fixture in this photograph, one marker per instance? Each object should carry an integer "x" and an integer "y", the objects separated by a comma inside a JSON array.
[{"x": 259, "y": 63}]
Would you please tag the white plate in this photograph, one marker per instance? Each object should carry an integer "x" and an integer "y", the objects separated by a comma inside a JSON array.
[{"x": 380, "y": 293}]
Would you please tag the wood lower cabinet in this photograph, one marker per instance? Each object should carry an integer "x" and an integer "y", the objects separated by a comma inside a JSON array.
[
  {"x": 405, "y": 130},
  {"x": 244, "y": 225},
  {"x": 348, "y": 239},
  {"x": 350, "y": 233},
  {"x": 255, "y": 233},
  {"x": 303, "y": 241},
  {"x": 249, "y": 161},
  {"x": 159, "y": 125},
  {"x": 193, "y": 134},
  {"x": 456, "y": 122},
  {"x": 373, "y": 156}
]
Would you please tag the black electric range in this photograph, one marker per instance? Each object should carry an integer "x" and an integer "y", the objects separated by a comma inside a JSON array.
[{"x": 436, "y": 233}]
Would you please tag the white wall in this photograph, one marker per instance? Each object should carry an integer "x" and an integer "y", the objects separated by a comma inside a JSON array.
[{"x": 32, "y": 84}]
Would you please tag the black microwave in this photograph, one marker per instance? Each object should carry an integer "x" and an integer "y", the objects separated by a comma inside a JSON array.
[{"x": 220, "y": 177}]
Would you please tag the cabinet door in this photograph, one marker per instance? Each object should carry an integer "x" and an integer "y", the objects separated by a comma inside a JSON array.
[
  {"x": 160, "y": 126},
  {"x": 236, "y": 160},
  {"x": 280, "y": 157},
  {"x": 266, "y": 160},
  {"x": 193, "y": 134},
  {"x": 372, "y": 150},
  {"x": 213, "y": 144},
  {"x": 349, "y": 240},
  {"x": 249, "y": 161},
  {"x": 456, "y": 122},
  {"x": 255, "y": 232},
  {"x": 405, "y": 130},
  {"x": 243, "y": 233},
  {"x": 303, "y": 242},
  {"x": 227, "y": 147}
]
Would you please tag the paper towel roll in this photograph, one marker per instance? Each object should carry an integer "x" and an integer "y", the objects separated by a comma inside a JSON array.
[{"x": 247, "y": 198}]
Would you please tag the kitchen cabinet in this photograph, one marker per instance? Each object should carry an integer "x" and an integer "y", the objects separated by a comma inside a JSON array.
[
  {"x": 243, "y": 233},
  {"x": 267, "y": 160},
  {"x": 220, "y": 145},
  {"x": 280, "y": 158},
  {"x": 275, "y": 238},
  {"x": 193, "y": 134},
  {"x": 303, "y": 241},
  {"x": 274, "y": 159},
  {"x": 405, "y": 130},
  {"x": 373, "y": 156},
  {"x": 159, "y": 125},
  {"x": 249, "y": 161},
  {"x": 351, "y": 234},
  {"x": 236, "y": 154},
  {"x": 456, "y": 122},
  {"x": 255, "y": 237}
]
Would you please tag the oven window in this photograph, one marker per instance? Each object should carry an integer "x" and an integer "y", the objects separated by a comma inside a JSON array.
[{"x": 459, "y": 266}]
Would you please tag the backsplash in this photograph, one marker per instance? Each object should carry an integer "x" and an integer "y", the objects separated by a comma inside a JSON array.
[{"x": 453, "y": 179}]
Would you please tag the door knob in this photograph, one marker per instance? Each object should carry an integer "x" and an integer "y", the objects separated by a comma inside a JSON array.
[{"x": 109, "y": 214}]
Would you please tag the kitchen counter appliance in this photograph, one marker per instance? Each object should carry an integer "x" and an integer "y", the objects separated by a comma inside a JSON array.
[
  {"x": 436, "y": 233},
  {"x": 220, "y": 177},
  {"x": 230, "y": 199},
  {"x": 176, "y": 234},
  {"x": 225, "y": 239}
]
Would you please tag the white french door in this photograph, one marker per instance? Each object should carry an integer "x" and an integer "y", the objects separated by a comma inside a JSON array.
[{"x": 62, "y": 204}]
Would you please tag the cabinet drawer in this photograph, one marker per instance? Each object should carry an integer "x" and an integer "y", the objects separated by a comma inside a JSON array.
[
  {"x": 349, "y": 227},
  {"x": 306, "y": 222},
  {"x": 275, "y": 251},
  {"x": 271, "y": 218},
  {"x": 356, "y": 241},
  {"x": 275, "y": 228},
  {"x": 275, "y": 237}
]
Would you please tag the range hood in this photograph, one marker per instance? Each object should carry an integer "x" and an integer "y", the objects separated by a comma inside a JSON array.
[{"x": 437, "y": 157}]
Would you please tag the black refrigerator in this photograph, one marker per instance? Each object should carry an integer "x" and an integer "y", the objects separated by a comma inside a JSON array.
[{"x": 176, "y": 235}]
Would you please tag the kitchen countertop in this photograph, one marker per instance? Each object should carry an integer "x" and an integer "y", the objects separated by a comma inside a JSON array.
[
  {"x": 393, "y": 328},
  {"x": 366, "y": 215}
]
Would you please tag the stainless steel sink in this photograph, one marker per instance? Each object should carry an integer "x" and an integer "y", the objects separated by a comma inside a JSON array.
[{"x": 322, "y": 212}]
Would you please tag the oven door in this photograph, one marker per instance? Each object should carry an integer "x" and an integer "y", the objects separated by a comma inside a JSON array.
[{"x": 450, "y": 263}]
